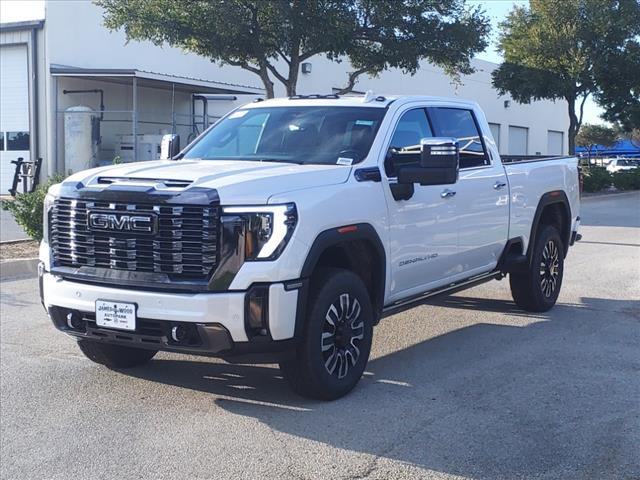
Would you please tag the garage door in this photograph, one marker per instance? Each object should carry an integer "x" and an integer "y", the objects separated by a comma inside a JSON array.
[
  {"x": 518, "y": 140},
  {"x": 554, "y": 142},
  {"x": 14, "y": 110}
]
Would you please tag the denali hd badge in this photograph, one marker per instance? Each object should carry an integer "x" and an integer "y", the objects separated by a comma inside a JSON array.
[{"x": 122, "y": 222}]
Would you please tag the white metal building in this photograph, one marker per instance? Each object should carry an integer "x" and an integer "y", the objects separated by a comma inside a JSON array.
[{"x": 77, "y": 95}]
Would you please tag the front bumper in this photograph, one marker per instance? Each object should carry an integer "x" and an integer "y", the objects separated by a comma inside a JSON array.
[{"x": 219, "y": 322}]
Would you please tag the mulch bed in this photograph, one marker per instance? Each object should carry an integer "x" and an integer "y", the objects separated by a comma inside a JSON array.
[{"x": 18, "y": 250}]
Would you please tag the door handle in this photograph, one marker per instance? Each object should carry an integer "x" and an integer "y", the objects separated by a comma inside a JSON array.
[
  {"x": 499, "y": 185},
  {"x": 446, "y": 193}
]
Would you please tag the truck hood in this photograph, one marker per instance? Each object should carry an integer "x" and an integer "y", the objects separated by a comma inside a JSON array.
[{"x": 237, "y": 182}]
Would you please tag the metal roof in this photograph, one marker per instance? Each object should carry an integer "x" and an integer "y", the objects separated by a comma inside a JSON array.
[
  {"x": 154, "y": 79},
  {"x": 27, "y": 25}
]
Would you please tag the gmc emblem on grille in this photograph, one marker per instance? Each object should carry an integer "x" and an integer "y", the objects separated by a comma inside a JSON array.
[{"x": 123, "y": 222}]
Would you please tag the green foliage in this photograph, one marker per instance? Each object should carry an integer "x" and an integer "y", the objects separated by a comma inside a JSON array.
[
  {"x": 27, "y": 208},
  {"x": 627, "y": 179},
  {"x": 619, "y": 79},
  {"x": 272, "y": 38},
  {"x": 632, "y": 135},
  {"x": 591, "y": 135},
  {"x": 596, "y": 179},
  {"x": 571, "y": 49}
]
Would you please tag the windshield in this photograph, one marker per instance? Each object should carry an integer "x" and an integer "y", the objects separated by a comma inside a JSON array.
[{"x": 326, "y": 135}]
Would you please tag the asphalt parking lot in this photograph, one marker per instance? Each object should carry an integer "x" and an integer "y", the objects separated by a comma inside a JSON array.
[{"x": 469, "y": 387}]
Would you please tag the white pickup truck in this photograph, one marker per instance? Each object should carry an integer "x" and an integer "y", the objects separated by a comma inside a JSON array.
[{"x": 286, "y": 231}]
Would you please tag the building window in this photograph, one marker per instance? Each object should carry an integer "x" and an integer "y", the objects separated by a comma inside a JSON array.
[
  {"x": 17, "y": 141},
  {"x": 495, "y": 131},
  {"x": 1, "y": 141},
  {"x": 518, "y": 140},
  {"x": 555, "y": 142}
]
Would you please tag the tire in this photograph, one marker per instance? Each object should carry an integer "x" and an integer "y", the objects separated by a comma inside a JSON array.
[
  {"x": 537, "y": 289},
  {"x": 115, "y": 356},
  {"x": 337, "y": 337}
]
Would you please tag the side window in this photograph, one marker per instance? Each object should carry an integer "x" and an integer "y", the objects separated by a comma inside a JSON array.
[
  {"x": 460, "y": 124},
  {"x": 412, "y": 127}
]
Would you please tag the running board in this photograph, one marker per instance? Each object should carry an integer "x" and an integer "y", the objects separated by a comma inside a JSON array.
[{"x": 414, "y": 301}]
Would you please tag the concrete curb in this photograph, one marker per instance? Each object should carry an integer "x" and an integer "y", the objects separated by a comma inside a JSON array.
[
  {"x": 27, "y": 267},
  {"x": 599, "y": 195},
  {"x": 11, "y": 242}
]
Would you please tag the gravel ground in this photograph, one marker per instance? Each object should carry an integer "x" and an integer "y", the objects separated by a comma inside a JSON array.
[
  {"x": 18, "y": 249},
  {"x": 468, "y": 387}
]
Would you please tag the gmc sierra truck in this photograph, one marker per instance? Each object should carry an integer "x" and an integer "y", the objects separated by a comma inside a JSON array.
[{"x": 290, "y": 228}]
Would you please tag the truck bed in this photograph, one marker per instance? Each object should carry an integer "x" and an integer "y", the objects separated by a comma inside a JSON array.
[
  {"x": 530, "y": 178},
  {"x": 506, "y": 159}
]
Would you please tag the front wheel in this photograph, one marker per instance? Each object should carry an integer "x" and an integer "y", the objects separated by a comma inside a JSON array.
[
  {"x": 337, "y": 337},
  {"x": 537, "y": 289}
]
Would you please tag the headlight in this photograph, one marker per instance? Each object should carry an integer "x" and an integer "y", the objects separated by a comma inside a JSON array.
[
  {"x": 267, "y": 229},
  {"x": 49, "y": 200}
]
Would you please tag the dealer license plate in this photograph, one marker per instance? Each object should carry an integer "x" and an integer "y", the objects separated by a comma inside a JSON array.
[{"x": 116, "y": 315}]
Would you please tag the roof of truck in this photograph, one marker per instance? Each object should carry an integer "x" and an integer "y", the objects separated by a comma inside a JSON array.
[{"x": 370, "y": 99}]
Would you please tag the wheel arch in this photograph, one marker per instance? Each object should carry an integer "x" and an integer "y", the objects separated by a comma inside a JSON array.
[
  {"x": 355, "y": 247},
  {"x": 553, "y": 209}
]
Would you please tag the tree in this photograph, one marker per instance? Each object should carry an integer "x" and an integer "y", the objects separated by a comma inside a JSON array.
[
  {"x": 632, "y": 135},
  {"x": 272, "y": 38},
  {"x": 565, "y": 49},
  {"x": 590, "y": 136},
  {"x": 619, "y": 78}
]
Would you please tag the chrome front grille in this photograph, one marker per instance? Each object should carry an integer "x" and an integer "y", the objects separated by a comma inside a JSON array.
[{"x": 183, "y": 244}]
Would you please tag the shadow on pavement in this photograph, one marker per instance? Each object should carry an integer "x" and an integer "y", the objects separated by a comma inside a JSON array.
[{"x": 486, "y": 401}]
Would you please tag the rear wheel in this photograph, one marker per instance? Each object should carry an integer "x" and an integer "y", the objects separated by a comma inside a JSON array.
[
  {"x": 337, "y": 338},
  {"x": 537, "y": 289},
  {"x": 115, "y": 356}
]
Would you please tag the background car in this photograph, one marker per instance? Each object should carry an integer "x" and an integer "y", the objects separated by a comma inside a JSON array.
[{"x": 620, "y": 164}]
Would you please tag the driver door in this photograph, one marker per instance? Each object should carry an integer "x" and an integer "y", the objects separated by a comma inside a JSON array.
[{"x": 423, "y": 229}]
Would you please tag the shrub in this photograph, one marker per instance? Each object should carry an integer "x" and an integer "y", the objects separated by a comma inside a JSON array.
[
  {"x": 627, "y": 180},
  {"x": 27, "y": 208},
  {"x": 596, "y": 179}
]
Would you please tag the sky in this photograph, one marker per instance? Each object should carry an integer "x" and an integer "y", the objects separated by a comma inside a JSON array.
[{"x": 19, "y": 10}]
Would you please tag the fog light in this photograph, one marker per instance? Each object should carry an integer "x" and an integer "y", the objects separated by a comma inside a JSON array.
[
  {"x": 257, "y": 312},
  {"x": 74, "y": 322},
  {"x": 179, "y": 333}
]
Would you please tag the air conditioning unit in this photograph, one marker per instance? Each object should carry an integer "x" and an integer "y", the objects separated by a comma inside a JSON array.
[{"x": 148, "y": 147}]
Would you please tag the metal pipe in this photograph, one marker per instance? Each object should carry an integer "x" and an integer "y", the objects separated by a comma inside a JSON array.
[
  {"x": 173, "y": 108},
  {"x": 205, "y": 109},
  {"x": 135, "y": 118},
  {"x": 34, "y": 76}
]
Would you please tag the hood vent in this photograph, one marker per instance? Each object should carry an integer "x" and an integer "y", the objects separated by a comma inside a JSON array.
[{"x": 163, "y": 183}]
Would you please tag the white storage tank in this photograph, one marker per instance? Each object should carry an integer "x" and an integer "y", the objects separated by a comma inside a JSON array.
[{"x": 81, "y": 138}]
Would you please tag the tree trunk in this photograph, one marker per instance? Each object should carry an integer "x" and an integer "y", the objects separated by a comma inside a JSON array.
[
  {"x": 294, "y": 71},
  {"x": 266, "y": 81}
]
